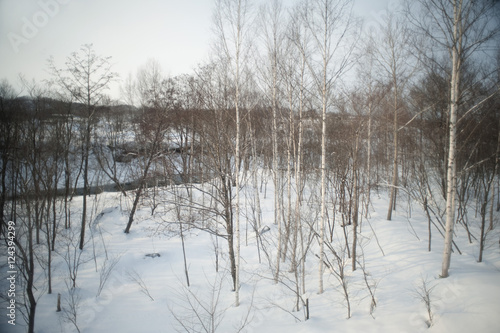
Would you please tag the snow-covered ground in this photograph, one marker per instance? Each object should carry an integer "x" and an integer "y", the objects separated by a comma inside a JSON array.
[{"x": 146, "y": 290}]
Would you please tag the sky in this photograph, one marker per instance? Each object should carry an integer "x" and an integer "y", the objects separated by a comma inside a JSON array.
[{"x": 175, "y": 33}]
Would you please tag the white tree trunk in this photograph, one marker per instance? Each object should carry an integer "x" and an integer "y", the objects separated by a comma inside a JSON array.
[
  {"x": 231, "y": 22},
  {"x": 323, "y": 194},
  {"x": 451, "y": 177},
  {"x": 237, "y": 153},
  {"x": 330, "y": 24}
]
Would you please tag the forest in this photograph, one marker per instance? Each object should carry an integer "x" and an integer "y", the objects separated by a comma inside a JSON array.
[{"x": 307, "y": 154}]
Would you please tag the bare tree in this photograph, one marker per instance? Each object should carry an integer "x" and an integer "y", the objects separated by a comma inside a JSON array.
[
  {"x": 392, "y": 55},
  {"x": 459, "y": 28},
  {"x": 232, "y": 18},
  {"x": 199, "y": 314},
  {"x": 370, "y": 94},
  {"x": 71, "y": 307},
  {"x": 8, "y": 133},
  {"x": 86, "y": 76},
  {"x": 72, "y": 256},
  {"x": 216, "y": 134},
  {"x": 424, "y": 293},
  {"x": 273, "y": 35},
  {"x": 20, "y": 233},
  {"x": 152, "y": 126},
  {"x": 110, "y": 148},
  {"x": 331, "y": 24},
  {"x": 134, "y": 276}
]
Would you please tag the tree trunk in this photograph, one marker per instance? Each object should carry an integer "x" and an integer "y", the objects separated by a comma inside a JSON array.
[
  {"x": 495, "y": 172},
  {"x": 394, "y": 182},
  {"x": 323, "y": 181},
  {"x": 355, "y": 213},
  {"x": 85, "y": 184},
  {"x": 134, "y": 208},
  {"x": 451, "y": 177}
]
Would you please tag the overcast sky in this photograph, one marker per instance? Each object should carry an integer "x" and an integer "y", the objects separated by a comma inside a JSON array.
[{"x": 177, "y": 33}]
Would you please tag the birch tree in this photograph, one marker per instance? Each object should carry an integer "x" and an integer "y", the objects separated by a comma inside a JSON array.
[
  {"x": 460, "y": 29},
  {"x": 372, "y": 92},
  {"x": 295, "y": 82},
  {"x": 330, "y": 23},
  {"x": 273, "y": 34},
  {"x": 392, "y": 56},
  {"x": 232, "y": 28}
]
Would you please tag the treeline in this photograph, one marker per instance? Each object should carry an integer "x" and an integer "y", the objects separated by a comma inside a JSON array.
[{"x": 329, "y": 114}]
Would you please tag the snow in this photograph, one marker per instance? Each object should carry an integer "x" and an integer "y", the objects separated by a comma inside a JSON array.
[{"x": 467, "y": 301}]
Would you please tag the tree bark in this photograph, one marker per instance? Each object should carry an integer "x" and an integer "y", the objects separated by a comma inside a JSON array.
[{"x": 451, "y": 177}]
